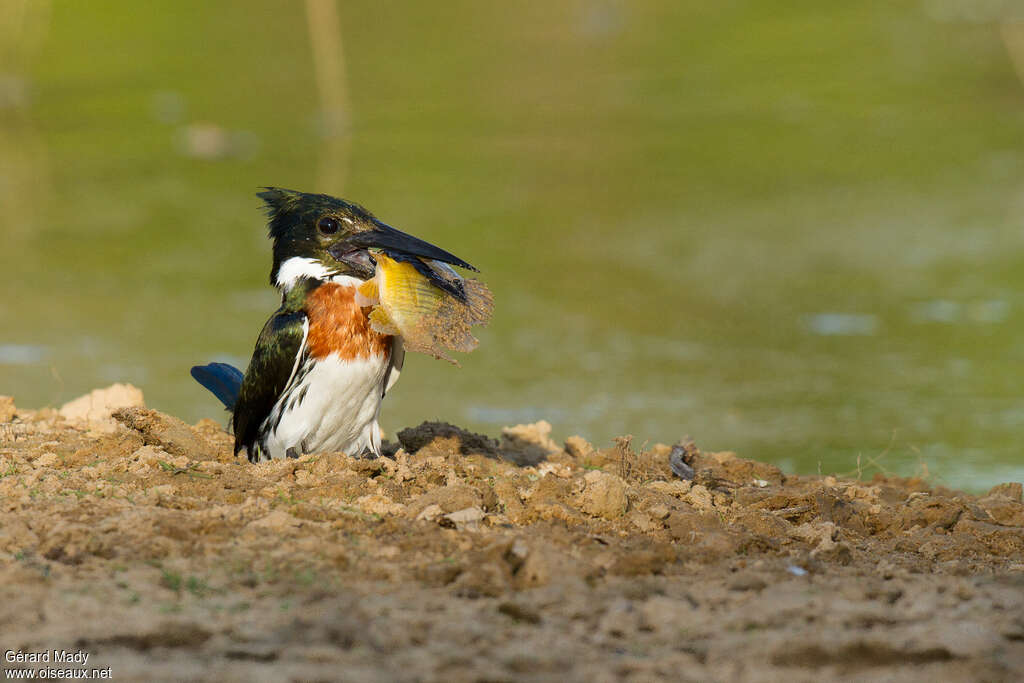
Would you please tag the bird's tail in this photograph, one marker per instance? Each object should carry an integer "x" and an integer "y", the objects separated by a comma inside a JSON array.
[{"x": 223, "y": 380}]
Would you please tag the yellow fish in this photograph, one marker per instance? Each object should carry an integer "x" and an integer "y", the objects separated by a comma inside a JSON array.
[{"x": 429, "y": 320}]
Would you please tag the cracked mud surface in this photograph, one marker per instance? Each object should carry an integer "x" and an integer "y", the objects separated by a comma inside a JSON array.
[{"x": 142, "y": 540}]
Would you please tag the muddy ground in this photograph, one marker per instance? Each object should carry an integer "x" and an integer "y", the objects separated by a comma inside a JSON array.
[{"x": 141, "y": 540}]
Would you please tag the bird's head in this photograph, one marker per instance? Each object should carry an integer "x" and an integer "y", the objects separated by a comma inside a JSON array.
[{"x": 318, "y": 236}]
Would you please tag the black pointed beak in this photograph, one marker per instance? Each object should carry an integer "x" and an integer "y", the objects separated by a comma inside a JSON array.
[{"x": 396, "y": 243}]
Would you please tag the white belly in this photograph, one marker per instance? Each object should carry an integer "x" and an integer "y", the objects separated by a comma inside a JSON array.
[{"x": 331, "y": 405}]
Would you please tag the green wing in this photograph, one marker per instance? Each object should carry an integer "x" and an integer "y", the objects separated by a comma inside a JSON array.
[{"x": 271, "y": 367}]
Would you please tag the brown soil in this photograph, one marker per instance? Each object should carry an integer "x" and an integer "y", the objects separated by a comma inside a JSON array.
[{"x": 144, "y": 542}]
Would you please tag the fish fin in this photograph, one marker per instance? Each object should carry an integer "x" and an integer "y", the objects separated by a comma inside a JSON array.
[
  {"x": 367, "y": 294},
  {"x": 380, "y": 322}
]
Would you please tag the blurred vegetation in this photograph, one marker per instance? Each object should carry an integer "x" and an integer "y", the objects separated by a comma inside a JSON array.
[{"x": 789, "y": 229}]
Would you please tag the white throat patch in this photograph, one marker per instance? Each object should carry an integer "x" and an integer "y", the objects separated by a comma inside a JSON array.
[{"x": 297, "y": 267}]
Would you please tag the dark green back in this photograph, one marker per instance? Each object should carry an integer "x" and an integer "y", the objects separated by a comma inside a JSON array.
[{"x": 271, "y": 366}]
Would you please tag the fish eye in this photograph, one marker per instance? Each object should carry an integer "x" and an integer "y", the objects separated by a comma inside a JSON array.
[{"x": 328, "y": 225}]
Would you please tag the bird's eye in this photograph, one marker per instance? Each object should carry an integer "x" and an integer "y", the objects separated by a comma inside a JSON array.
[{"x": 328, "y": 225}]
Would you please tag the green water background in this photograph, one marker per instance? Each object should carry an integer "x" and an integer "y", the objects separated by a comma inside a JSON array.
[{"x": 789, "y": 229}]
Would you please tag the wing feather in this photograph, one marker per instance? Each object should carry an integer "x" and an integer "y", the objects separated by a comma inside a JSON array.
[
  {"x": 274, "y": 362},
  {"x": 395, "y": 364}
]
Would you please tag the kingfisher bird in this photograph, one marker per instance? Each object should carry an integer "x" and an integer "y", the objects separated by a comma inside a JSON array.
[{"x": 319, "y": 371}]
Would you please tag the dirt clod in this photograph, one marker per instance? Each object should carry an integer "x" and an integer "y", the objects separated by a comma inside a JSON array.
[
  {"x": 95, "y": 408},
  {"x": 169, "y": 433},
  {"x": 603, "y": 495},
  {"x": 449, "y": 437},
  {"x": 7, "y": 409}
]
